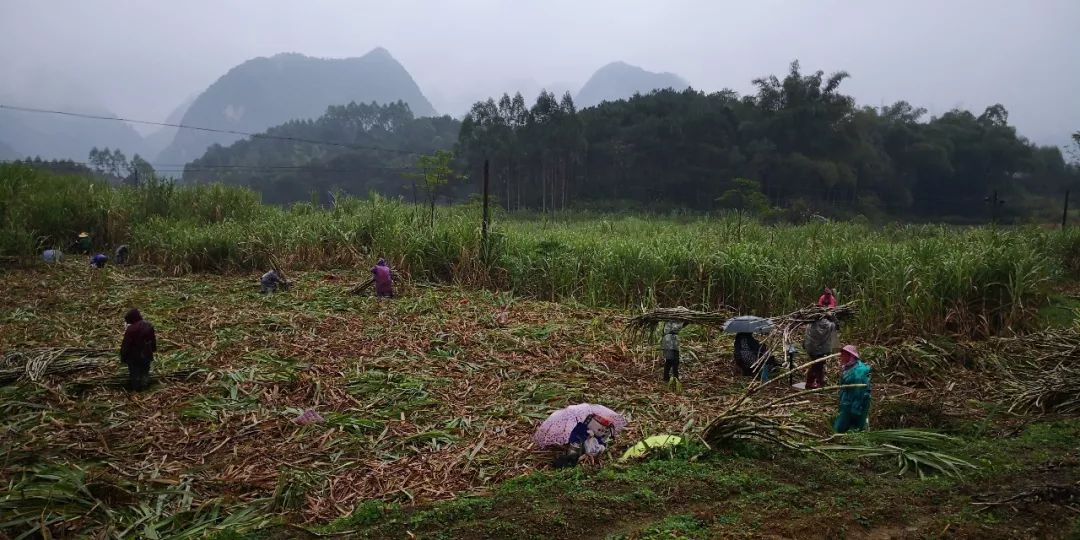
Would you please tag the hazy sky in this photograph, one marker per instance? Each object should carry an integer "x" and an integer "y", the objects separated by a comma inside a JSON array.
[{"x": 142, "y": 58}]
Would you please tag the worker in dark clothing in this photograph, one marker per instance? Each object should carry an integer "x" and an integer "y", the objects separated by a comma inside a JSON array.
[
  {"x": 122, "y": 254},
  {"x": 670, "y": 347},
  {"x": 748, "y": 352},
  {"x": 83, "y": 244},
  {"x": 99, "y": 260},
  {"x": 271, "y": 282},
  {"x": 822, "y": 339},
  {"x": 137, "y": 349}
]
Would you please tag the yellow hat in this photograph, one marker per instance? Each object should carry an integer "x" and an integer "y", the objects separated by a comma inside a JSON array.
[{"x": 83, "y": 235}]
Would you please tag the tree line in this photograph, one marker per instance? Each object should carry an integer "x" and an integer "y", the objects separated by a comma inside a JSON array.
[
  {"x": 797, "y": 145},
  {"x": 371, "y": 147},
  {"x": 794, "y": 147}
]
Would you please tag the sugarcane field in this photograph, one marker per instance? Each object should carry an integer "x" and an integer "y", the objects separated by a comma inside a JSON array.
[
  {"x": 475, "y": 270},
  {"x": 382, "y": 392}
]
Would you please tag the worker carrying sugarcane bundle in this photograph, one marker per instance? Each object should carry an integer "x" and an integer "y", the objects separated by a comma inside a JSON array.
[
  {"x": 827, "y": 299},
  {"x": 669, "y": 346},
  {"x": 749, "y": 354},
  {"x": 822, "y": 339}
]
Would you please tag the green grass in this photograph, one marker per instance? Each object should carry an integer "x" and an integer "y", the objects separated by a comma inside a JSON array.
[
  {"x": 907, "y": 278},
  {"x": 711, "y": 496}
]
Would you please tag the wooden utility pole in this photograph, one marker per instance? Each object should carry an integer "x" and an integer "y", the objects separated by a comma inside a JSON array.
[
  {"x": 1065, "y": 211},
  {"x": 994, "y": 203},
  {"x": 485, "y": 226}
]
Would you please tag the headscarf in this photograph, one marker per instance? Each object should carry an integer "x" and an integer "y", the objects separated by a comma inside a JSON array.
[
  {"x": 382, "y": 262},
  {"x": 853, "y": 356},
  {"x": 132, "y": 316}
]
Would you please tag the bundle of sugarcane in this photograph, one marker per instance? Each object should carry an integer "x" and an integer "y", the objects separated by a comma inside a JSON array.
[
  {"x": 33, "y": 364},
  {"x": 1041, "y": 347},
  {"x": 361, "y": 287},
  {"x": 769, "y": 421},
  {"x": 646, "y": 323},
  {"x": 1036, "y": 387},
  {"x": 811, "y": 314},
  {"x": 914, "y": 450},
  {"x": 786, "y": 328}
]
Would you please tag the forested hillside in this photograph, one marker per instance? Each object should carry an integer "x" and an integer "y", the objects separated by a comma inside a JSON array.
[
  {"x": 265, "y": 92},
  {"x": 797, "y": 146},
  {"x": 375, "y": 147}
]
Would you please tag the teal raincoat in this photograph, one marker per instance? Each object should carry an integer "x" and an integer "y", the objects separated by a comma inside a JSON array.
[{"x": 854, "y": 402}]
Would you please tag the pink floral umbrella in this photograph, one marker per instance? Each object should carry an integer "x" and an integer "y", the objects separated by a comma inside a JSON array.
[{"x": 555, "y": 431}]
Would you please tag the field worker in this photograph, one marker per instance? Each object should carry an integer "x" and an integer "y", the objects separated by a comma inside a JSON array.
[
  {"x": 122, "y": 253},
  {"x": 669, "y": 345},
  {"x": 747, "y": 352},
  {"x": 99, "y": 260},
  {"x": 270, "y": 281},
  {"x": 137, "y": 349},
  {"x": 384, "y": 281},
  {"x": 822, "y": 339},
  {"x": 827, "y": 299},
  {"x": 854, "y": 402},
  {"x": 51, "y": 255},
  {"x": 83, "y": 244}
]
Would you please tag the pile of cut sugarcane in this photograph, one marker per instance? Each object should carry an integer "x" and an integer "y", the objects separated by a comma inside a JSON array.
[
  {"x": 1041, "y": 370},
  {"x": 749, "y": 418},
  {"x": 772, "y": 421},
  {"x": 33, "y": 364}
]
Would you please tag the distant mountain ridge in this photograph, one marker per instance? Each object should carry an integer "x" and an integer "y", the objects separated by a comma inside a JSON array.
[
  {"x": 7, "y": 152},
  {"x": 619, "y": 80},
  {"x": 53, "y": 136},
  {"x": 156, "y": 141},
  {"x": 268, "y": 91}
]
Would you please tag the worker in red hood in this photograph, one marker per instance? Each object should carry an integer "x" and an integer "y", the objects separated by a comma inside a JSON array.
[
  {"x": 137, "y": 349},
  {"x": 827, "y": 299},
  {"x": 384, "y": 281}
]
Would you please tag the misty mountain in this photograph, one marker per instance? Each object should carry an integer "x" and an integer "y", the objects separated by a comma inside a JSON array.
[
  {"x": 7, "y": 152},
  {"x": 619, "y": 80},
  {"x": 265, "y": 92},
  {"x": 65, "y": 137},
  {"x": 156, "y": 141}
]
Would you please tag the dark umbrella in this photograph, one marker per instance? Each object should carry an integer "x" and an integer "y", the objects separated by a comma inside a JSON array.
[{"x": 748, "y": 324}]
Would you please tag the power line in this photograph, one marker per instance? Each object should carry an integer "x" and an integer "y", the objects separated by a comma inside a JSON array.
[
  {"x": 162, "y": 167},
  {"x": 212, "y": 130}
]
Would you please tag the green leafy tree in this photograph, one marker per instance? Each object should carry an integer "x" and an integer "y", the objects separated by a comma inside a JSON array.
[
  {"x": 746, "y": 195},
  {"x": 139, "y": 171},
  {"x": 435, "y": 173},
  {"x": 112, "y": 163}
]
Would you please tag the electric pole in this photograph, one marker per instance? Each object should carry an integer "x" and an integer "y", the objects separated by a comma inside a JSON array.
[
  {"x": 994, "y": 203},
  {"x": 1065, "y": 211}
]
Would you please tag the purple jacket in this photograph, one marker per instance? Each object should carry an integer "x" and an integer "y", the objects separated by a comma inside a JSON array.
[{"x": 384, "y": 283}]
